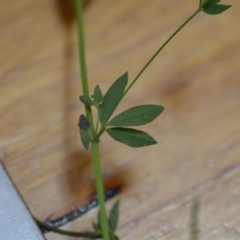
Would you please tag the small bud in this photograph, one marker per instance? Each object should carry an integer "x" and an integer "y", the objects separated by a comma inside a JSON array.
[{"x": 83, "y": 123}]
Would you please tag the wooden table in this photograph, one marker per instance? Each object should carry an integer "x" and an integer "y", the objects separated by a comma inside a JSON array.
[{"x": 196, "y": 78}]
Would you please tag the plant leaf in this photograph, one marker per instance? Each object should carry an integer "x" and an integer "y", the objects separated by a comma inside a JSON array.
[
  {"x": 95, "y": 226},
  {"x": 115, "y": 237},
  {"x": 137, "y": 116},
  {"x": 215, "y": 9},
  {"x": 86, "y": 100},
  {"x": 98, "y": 97},
  {"x": 112, "y": 98},
  {"x": 131, "y": 137},
  {"x": 84, "y": 126},
  {"x": 213, "y": 2},
  {"x": 206, "y": 3},
  {"x": 113, "y": 217},
  {"x": 84, "y": 134}
]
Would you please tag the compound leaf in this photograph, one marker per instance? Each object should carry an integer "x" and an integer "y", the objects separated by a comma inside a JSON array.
[
  {"x": 131, "y": 137},
  {"x": 137, "y": 116},
  {"x": 215, "y": 9},
  {"x": 112, "y": 98},
  {"x": 113, "y": 217}
]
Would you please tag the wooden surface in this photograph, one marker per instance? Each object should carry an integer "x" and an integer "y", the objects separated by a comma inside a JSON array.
[{"x": 196, "y": 78}]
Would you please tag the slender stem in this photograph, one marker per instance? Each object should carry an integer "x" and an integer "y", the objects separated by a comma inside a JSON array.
[
  {"x": 100, "y": 190},
  {"x": 95, "y": 147},
  {"x": 194, "y": 230},
  {"x": 98, "y": 114},
  {"x": 97, "y": 124},
  {"x": 68, "y": 233},
  {"x": 82, "y": 58},
  {"x": 159, "y": 50},
  {"x": 101, "y": 131}
]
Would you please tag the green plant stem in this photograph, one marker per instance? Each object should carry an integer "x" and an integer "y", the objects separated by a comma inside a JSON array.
[
  {"x": 82, "y": 57},
  {"x": 101, "y": 131},
  {"x": 100, "y": 191},
  {"x": 95, "y": 147},
  {"x": 194, "y": 231},
  {"x": 68, "y": 233},
  {"x": 159, "y": 50}
]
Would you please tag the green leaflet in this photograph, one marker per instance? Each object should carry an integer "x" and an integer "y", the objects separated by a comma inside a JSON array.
[
  {"x": 86, "y": 100},
  {"x": 131, "y": 137},
  {"x": 112, "y": 98},
  {"x": 212, "y": 2},
  {"x": 84, "y": 126},
  {"x": 113, "y": 217},
  {"x": 136, "y": 116},
  {"x": 84, "y": 134},
  {"x": 115, "y": 237},
  {"x": 209, "y": 2},
  {"x": 205, "y": 3},
  {"x": 95, "y": 227},
  {"x": 98, "y": 97},
  {"x": 212, "y": 7},
  {"x": 215, "y": 9}
]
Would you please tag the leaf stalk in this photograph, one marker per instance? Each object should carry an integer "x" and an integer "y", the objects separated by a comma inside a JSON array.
[
  {"x": 68, "y": 233},
  {"x": 159, "y": 50}
]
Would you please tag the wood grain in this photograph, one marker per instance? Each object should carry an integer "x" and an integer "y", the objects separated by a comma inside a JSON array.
[{"x": 196, "y": 78}]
